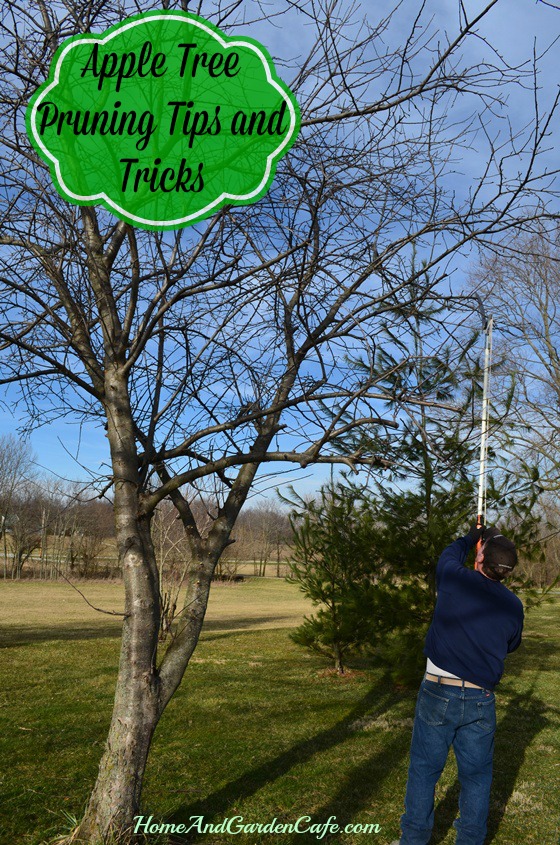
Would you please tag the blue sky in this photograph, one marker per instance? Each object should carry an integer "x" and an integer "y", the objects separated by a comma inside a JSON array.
[{"x": 512, "y": 28}]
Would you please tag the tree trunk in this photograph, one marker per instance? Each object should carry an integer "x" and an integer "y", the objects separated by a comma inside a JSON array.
[
  {"x": 140, "y": 701},
  {"x": 115, "y": 798},
  {"x": 338, "y": 664},
  {"x": 141, "y": 692}
]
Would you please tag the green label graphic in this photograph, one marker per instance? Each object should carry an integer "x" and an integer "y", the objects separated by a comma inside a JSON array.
[{"x": 162, "y": 119}]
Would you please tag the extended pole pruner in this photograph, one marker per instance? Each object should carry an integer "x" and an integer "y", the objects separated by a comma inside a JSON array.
[{"x": 482, "y": 476}]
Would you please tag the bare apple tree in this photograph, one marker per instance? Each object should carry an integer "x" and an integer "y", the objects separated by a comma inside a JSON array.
[{"x": 212, "y": 352}]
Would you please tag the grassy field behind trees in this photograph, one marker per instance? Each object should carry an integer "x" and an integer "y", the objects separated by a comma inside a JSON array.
[{"x": 268, "y": 729}]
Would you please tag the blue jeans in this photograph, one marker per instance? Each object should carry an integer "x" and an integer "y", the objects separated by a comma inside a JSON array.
[{"x": 466, "y": 719}]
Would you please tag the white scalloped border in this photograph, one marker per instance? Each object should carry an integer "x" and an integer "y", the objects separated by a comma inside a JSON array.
[{"x": 190, "y": 218}]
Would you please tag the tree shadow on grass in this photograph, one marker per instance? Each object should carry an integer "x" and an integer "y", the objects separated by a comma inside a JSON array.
[
  {"x": 354, "y": 792},
  {"x": 238, "y": 622},
  {"x": 22, "y": 635},
  {"x": 525, "y": 716}
]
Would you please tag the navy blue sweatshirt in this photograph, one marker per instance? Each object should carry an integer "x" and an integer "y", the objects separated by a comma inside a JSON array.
[{"x": 476, "y": 621}]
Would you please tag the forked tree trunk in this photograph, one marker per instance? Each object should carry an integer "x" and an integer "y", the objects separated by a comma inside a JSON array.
[
  {"x": 115, "y": 798},
  {"x": 141, "y": 694},
  {"x": 142, "y": 691},
  {"x": 140, "y": 700}
]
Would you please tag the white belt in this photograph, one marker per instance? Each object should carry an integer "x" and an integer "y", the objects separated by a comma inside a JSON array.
[{"x": 454, "y": 682}]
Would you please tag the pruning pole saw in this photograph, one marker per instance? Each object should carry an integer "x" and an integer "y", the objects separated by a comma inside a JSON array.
[{"x": 482, "y": 475}]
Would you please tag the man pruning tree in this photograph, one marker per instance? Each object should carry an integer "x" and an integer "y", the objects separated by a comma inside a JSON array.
[{"x": 477, "y": 621}]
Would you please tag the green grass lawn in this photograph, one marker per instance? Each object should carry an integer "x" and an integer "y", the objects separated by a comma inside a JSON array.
[{"x": 257, "y": 730}]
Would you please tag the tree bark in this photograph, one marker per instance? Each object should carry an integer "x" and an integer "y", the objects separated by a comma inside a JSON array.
[
  {"x": 338, "y": 664},
  {"x": 115, "y": 798}
]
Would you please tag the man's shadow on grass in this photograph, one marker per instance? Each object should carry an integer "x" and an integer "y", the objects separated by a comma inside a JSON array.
[
  {"x": 354, "y": 793},
  {"x": 524, "y": 719},
  {"x": 357, "y": 789}
]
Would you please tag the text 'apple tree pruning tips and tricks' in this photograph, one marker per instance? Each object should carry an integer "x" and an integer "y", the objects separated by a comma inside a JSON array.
[{"x": 163, "y": 119}]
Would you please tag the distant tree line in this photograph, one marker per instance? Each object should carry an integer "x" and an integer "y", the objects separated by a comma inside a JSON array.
[
  {"x": 52, "y": 529},
  {"x": 49, "y": 528}
]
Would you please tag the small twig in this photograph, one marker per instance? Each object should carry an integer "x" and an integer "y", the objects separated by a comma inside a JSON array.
[{"x": 87, "y": 601}]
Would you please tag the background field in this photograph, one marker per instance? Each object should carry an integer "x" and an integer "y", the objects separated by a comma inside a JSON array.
[{"x": 258, "y": 729}]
